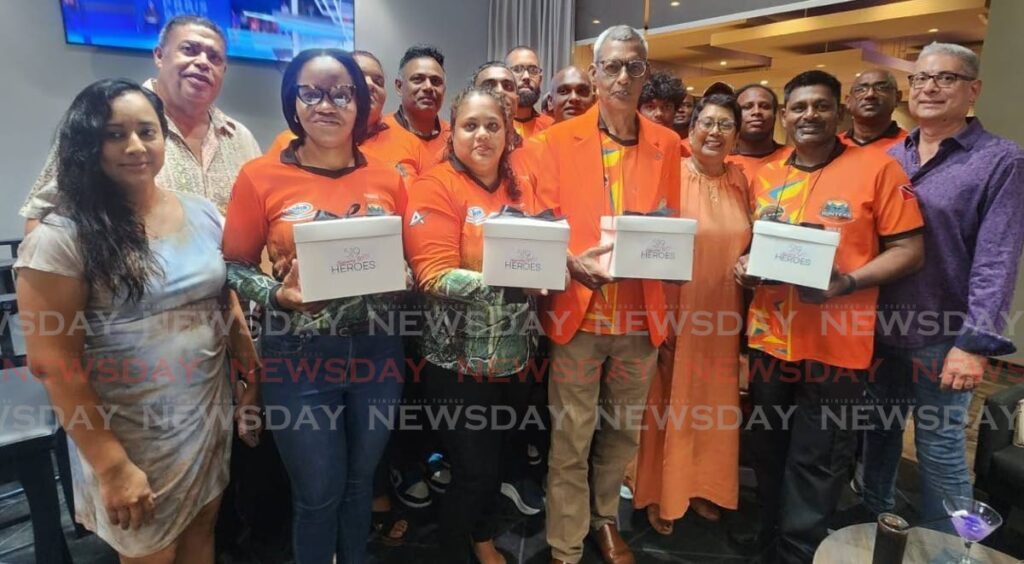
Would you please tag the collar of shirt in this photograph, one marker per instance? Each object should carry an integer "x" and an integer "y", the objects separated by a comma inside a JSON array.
[
  {"x": 460, "y": 167},
  {"x": 533, "y": 115},
  {"x": 404, "y": 122},
  {"x": 965, "y": 138},
  {"x": 836, "y": 151},
  {"x": 289, "y": 156},
  {"x": 775, "y": 147},
  {"x": 890, "y": 132},
  {"x": 222, "y": 124},
  {"x": 624, "y": 142},
  {"x": 373, "y": 131}
]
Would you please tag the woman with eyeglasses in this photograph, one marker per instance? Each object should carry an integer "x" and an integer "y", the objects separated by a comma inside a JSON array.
[
  {"x": 325, "y": 369},
  {"x": 476, "y": 362},
  {"x": 683, "y": 464}
]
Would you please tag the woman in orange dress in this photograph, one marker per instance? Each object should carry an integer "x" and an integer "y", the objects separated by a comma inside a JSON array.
[{"x": 689, "y": 445}]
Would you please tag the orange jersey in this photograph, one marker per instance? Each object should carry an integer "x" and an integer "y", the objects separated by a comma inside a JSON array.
[
  {"x": 384, "y": 144},
  {"x": 274, "y": 192},
  {"x": 891, "y": 136},
  {"x": 534, "y": 125},
  {"x": 750, "y": 163},
  {"x": 866, "y": 197},
  {"x": 432, "y": 147},
  {"x": 570, "y": 175},
  {"x": 444, "y": 220}
]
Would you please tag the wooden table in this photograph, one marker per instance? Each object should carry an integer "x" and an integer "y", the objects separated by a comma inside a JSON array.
[{"x": 856, "y": 544}]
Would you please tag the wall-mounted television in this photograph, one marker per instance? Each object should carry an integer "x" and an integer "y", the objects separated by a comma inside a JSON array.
[{"x": 274, "y": 30}]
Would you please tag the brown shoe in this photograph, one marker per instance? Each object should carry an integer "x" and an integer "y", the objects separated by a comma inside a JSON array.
[{"x": 613, "y": 549}]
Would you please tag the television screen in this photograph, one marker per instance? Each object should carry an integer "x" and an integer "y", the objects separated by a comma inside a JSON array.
[{"x": 273, "y": 30}]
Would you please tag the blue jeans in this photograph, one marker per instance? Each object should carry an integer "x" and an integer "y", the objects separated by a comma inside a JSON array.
[
  {"x": 907, "y": 380},
  {"x": 320, "y": 393}
]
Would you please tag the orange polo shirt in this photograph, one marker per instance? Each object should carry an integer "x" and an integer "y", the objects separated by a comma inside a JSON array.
[
  {"x": 750, "y": 163},
  {"x": 444, "y": 219},
  {"x": 866, "y": 197},
  {"x": 274, "y": 192},
  {"x": 383, "y": 144},
  {"x": 528, "y": 128},
  {"x": 685, "y": 149},
  {"x": 432, "y": 147},
  {"x": 891, "y": 136}
]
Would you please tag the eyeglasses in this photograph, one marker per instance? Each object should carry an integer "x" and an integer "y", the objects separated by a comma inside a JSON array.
[
  {"x": 340, "y": 96},
  {"x": 612, "y": 67},
  {"x": 724, "y": 125},
  {"x": 861, "y": 90},
  {"x": 534, "y": 70},
  {"x": 942, "y": 79}
]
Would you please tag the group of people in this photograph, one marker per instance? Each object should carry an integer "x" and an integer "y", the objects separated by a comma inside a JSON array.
[{"x": 158, "y": 218}]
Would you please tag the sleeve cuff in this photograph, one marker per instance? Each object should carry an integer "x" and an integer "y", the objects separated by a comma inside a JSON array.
[{"x": 980, "y": 342}]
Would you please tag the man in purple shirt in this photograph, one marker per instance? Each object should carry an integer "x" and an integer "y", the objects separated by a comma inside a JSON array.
[{"x": 936, "y": 328}]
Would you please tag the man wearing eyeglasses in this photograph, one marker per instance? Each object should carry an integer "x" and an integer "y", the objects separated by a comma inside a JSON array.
[
  {"x": 871, "y": 101},
  {"x": 525, "y": 66},
  {"x": 810, "y": 350},
  {"x": 605, "y": 332},
  {"x": 971, "y": 187}
]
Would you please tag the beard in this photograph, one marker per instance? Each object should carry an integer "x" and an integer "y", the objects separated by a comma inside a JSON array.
[{"x": 528, "y": 97}]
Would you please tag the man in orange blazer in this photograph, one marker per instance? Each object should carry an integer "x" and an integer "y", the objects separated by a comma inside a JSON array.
[{"x": 605, "y": 332}]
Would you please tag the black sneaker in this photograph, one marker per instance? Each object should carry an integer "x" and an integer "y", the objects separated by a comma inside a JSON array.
[
  {"x": 410, "y": 489},
  {"x": 527, "y": 496}
]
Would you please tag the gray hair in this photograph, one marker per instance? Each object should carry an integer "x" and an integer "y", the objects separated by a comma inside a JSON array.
[
  {"x": 620, "y": 33},
  {"x": 968, "y": 59}
]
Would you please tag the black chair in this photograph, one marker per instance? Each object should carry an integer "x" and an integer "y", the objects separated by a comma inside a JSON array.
[
  {"x": 7, "y": 265},
  {"x": 999, "y": 465},
  {"x": 25, "y": 446}
]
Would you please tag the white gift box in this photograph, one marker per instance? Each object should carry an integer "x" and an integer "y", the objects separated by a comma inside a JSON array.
[
  {"x": 522, "y": 252},
  {"x": 793, "y": 254},
  {"x": 660, "y": 248},
  {"x": 340, "y": 258}
]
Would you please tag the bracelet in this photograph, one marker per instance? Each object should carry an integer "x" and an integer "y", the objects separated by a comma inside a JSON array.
[{"x": 851, "y": 285}]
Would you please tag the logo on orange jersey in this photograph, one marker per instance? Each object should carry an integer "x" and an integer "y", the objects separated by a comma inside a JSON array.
[
  {"x": 837, "y": 209},
  {"x": 907, "y": 191},
  {"x": 417, "y": 218},
  {"x": 475, "y": 215},
  {"x": 298, "y": 212}
]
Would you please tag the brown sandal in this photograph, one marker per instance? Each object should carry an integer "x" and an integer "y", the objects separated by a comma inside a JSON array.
[{"x": 706, "y": 509}]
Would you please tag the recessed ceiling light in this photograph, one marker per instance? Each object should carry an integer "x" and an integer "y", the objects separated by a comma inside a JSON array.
[
  {"x": 689, "y": 89},
  {"x": 857, "y": 75},
  {"x": 673, "y": 4},
  {"x": 821, "y": 65},
  {"x": 596, "y": 21},
  {"x": 723, "y": 63},
  {"x": 933, "y": 30},
  {"x": 764, "y": 83}
]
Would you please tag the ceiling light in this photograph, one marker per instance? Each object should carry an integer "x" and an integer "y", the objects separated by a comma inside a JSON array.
[
  {"x": 673, "y": 4},
  {"x": 689, "y": 89},
  {"x": 857, "y": 75},
  {"x": 723, "y": 63},
  {"x": 764, "y": 83},
  {"x": 596, "y": 21},
  {"x": 933, "y": 30},
  {"x": 821, "y": 65}
]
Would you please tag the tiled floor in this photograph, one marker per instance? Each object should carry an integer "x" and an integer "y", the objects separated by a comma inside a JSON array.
[{"x": 693, "y": 541}]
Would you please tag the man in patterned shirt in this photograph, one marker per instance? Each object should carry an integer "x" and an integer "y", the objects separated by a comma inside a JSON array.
[{"x": 205, "y": 147}]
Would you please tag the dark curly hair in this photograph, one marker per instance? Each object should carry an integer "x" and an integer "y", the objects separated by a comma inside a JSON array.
[
  {"x": 290, "y": 91},
  {"x": 663, "y": 86},
  {"x": 107, "y": 229},
  {"x": 420, "y": 52},
  {"x": 504, "y": 167}
]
